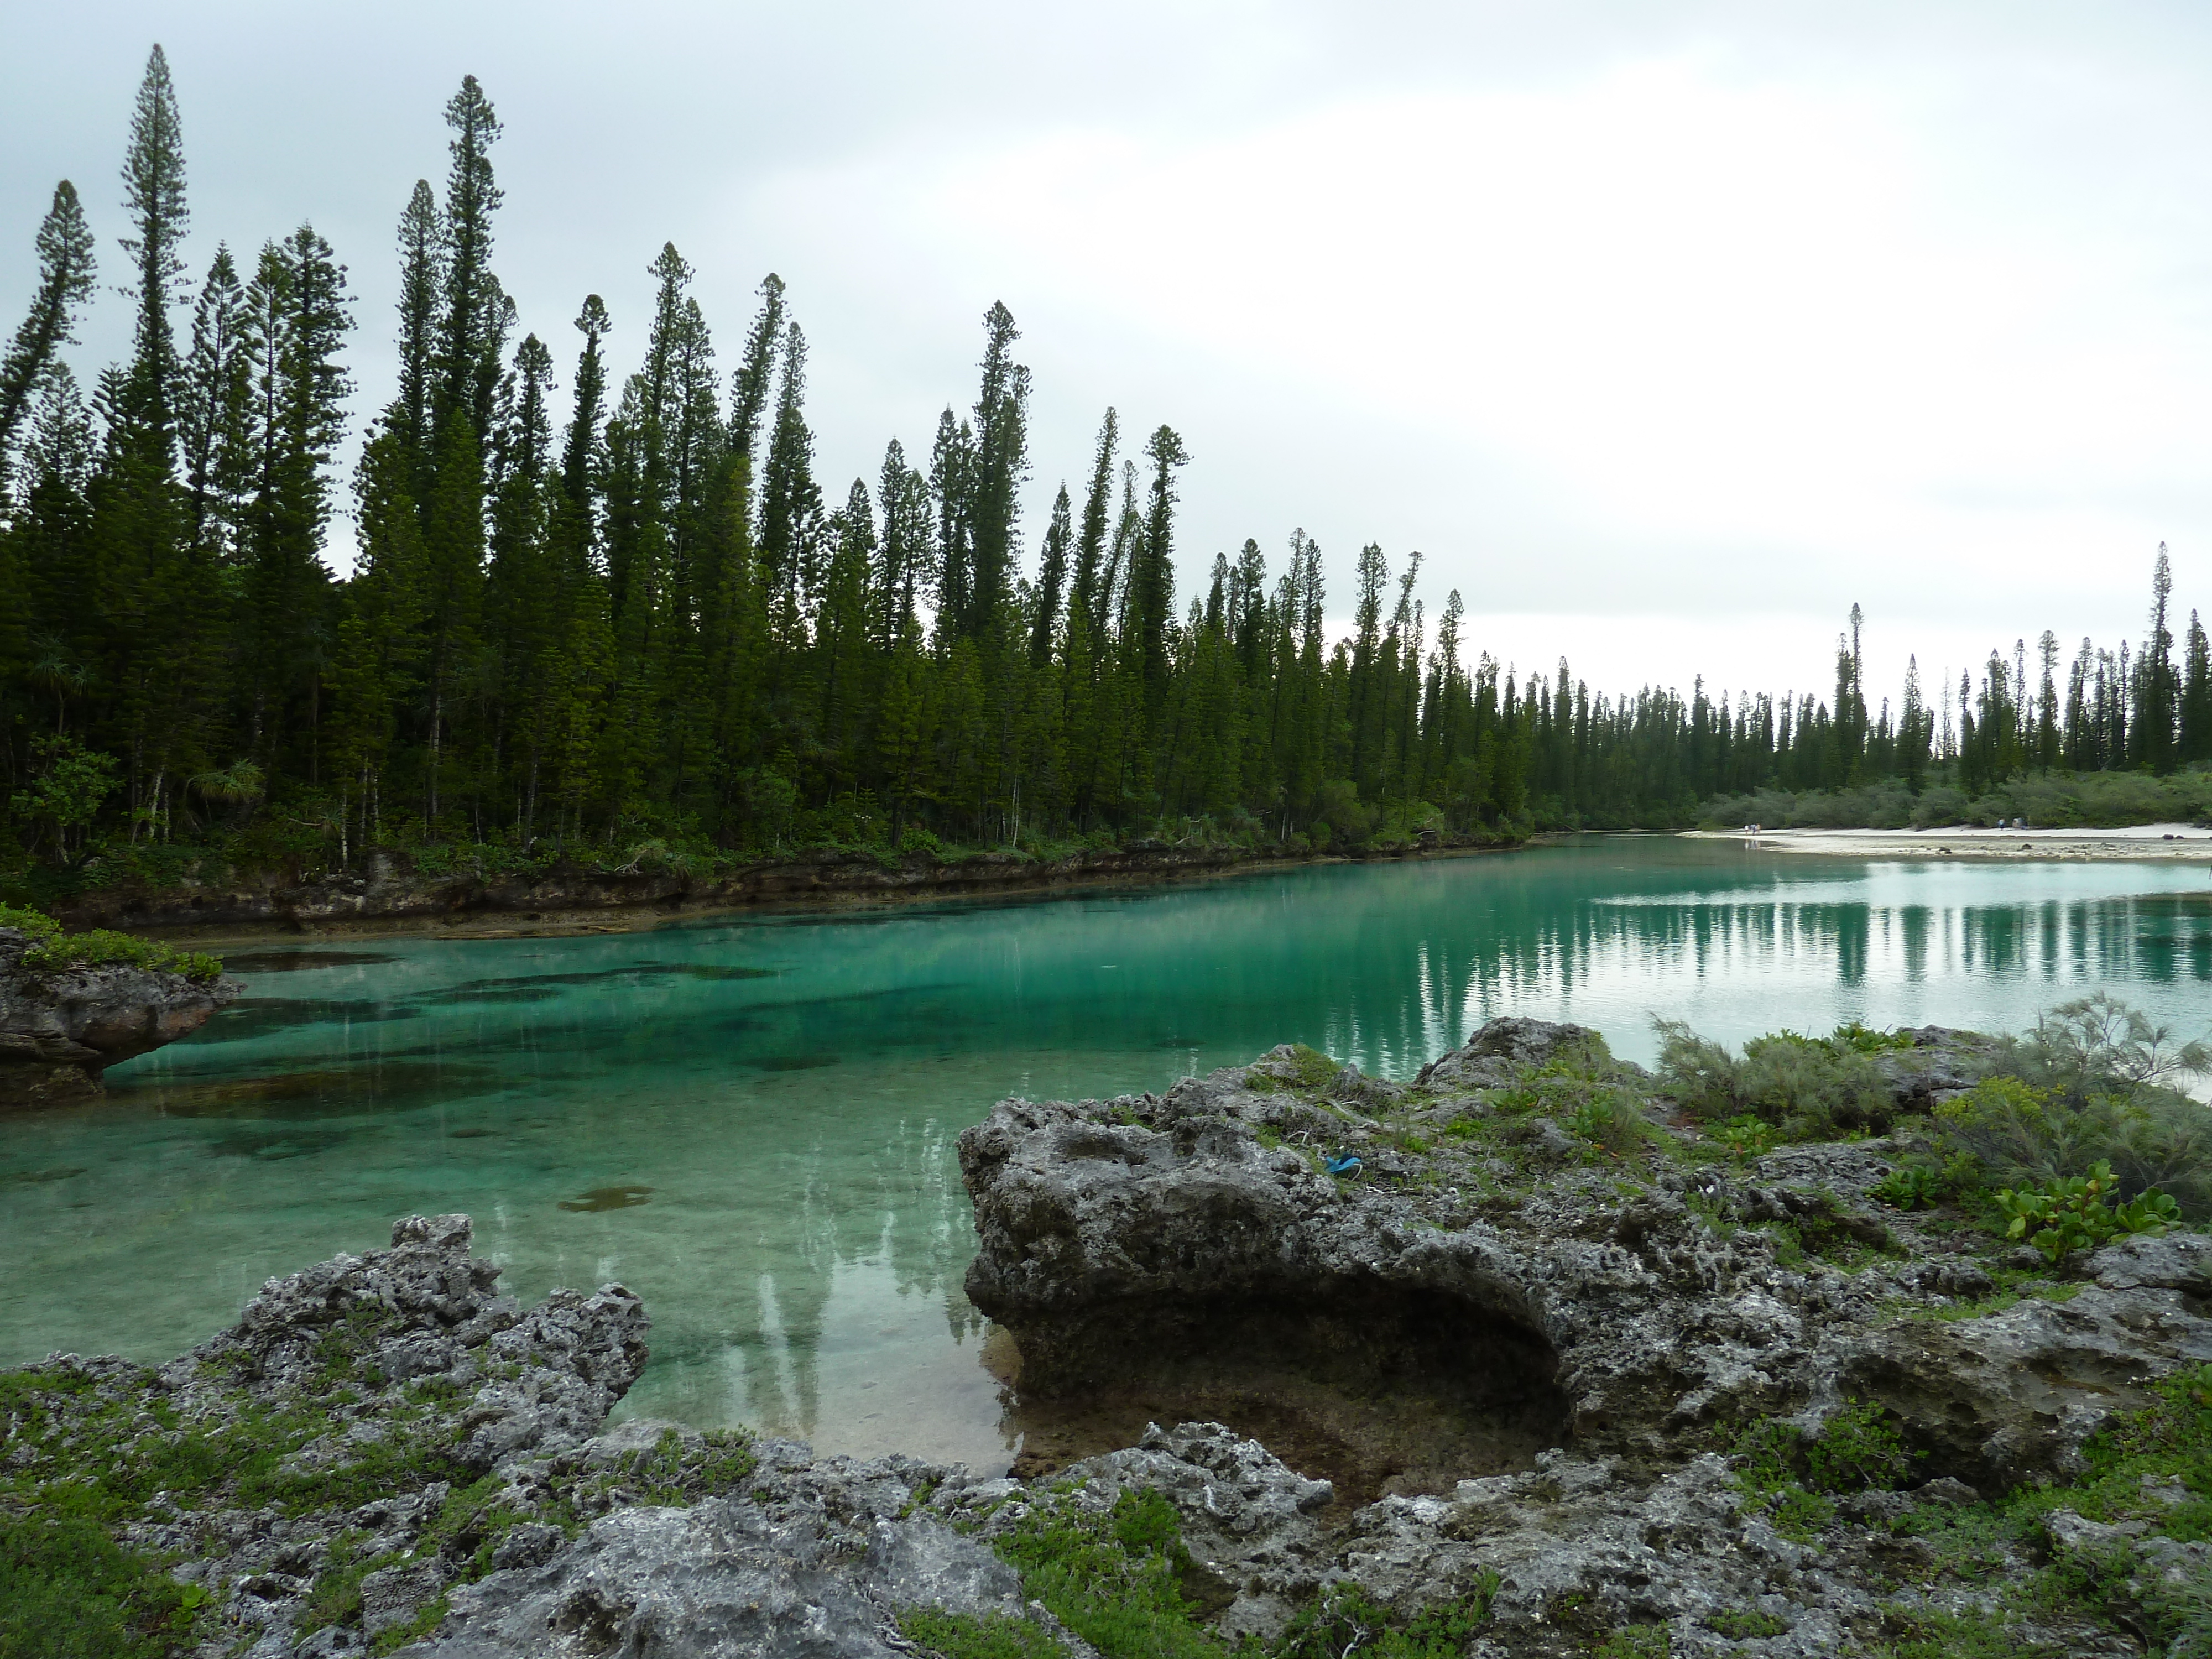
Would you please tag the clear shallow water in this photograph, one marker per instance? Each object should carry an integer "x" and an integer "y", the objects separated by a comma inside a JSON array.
[{"x": 752, "y": 1122}]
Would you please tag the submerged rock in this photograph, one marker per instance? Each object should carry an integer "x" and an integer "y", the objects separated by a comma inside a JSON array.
[{"x": 59, "y": 1032}]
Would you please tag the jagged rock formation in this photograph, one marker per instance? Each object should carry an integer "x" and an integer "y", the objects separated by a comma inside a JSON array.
[
  {"x": 58, "y": 1033},
  {"x": 1195, "y": 1232},
  {"x": 1543, "y": 1354},
  {"x": 814, "y": 1559},
  {"x": 332, "y": 1425},
  {"x": 384, "y": 1446}
]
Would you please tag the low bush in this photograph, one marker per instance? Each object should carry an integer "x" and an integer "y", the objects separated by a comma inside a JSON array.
[
  {"x": 35, "y": 925},
  {"x": 1344, "y": 1621},
  {"x": 1747, "y": 1137},
  {"x": 1582, "y": 1089},
  {"x": 1609, "y": 1118},
  {"x": 1858, "y": 1449},
  {"x": 2079, "y": 1213},
  {"x": 2092, "y": 1085},
  {"x": 1115, "y": 1579},
  {"x": 1917, "y": 1186},
  {"x": 1807, "y": 1088},
  {"x": 52, "y": 952},
  {"x": 2098, "y": 1044},
  {"x": 105, "y": 948},
  {"x": 1794, "y": 1480}
]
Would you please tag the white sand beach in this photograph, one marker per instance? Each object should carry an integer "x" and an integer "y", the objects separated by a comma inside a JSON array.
[{"x": 2143, "y": 841}]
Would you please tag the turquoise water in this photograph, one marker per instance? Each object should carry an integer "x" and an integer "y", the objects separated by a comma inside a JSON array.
[{"x": 752, "y": 1122}]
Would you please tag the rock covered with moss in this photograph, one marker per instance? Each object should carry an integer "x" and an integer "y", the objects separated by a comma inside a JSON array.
[{"x": 64, "y": 1020}]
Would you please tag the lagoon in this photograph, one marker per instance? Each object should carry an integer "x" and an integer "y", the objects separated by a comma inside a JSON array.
[{"x": 751, "y": 1120}]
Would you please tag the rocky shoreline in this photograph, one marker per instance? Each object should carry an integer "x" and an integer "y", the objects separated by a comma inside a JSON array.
[
  {"x": 386, "y": 894},
  {"x": 60, "y": 1031},
  {"x": 1552, "y": 1383}
]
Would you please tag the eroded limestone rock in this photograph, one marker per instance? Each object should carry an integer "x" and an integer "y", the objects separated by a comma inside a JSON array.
[
  {"x": 58, "y": 1033},
  {"x": 1459, "y": 1329}
]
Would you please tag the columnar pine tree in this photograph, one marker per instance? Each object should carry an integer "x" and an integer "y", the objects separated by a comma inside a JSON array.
[
  {"x": 65, "y": 278},
  {"x": 153, "y": 195}
]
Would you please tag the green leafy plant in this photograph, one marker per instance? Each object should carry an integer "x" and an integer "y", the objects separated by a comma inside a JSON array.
[
  {"x": 35, "y": 925},
  {"x": 1911, "y": 1187},
  {"x": 1344, "y": 1619},
  {"x": 1865, "y": 1040},
  {"x": 1745, "y": 1137},
  {"x": 2092, "y": 1083},
  {"x": 2079, "y": 1213},
  {"x": 1806, "y": 1088},
  {"x": 60, "y": 953},
  {"x": 1859, "y": 1448},
  {"x": 1769, "y": 1454},
  {"x": 1608, "y": 1118}
]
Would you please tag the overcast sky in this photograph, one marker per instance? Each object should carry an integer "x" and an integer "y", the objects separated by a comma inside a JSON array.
[{"x": 1664, "y": 332}]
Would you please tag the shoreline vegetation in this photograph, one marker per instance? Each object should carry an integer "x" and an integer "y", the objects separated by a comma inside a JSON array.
[
  {"x": 628, "y": 628},
  {"x": 459, "y": 898}
]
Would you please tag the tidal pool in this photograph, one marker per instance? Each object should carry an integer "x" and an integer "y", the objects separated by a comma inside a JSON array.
[{"x": 752, "y": 1122}]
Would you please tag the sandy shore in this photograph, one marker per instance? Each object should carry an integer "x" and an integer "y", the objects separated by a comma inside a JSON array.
[{"x": 2142, "y": 841}]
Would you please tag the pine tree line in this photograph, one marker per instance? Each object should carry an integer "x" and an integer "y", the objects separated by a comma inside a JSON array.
[{"x": 638, "y": 617}]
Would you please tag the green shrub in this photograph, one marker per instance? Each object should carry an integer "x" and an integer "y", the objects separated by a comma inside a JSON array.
[
  {"x": 1858, "y": 1449},
  {"x": 1865, "y": 1040},
  {"x": 1790, "y": 1479},
  {"x": 1608, "y": 1118},
  {"x": 1913, "y": 1186},
  {"x": 1920, "y": 1184},
  {"x": 2098, "y": 1044},
  {"x": 60, "y": 953},
  {"x": 1343, "y": 1619},
  {"x": 1769, "y": 1455},
  {"x": 1747, "y": 1137},
  {"x": 1808, "y": 1088},
  {"x": 2079, "y": 1213},
  {"x": 2022, "y": 1134},
  {"x": 37, "y": 925}
]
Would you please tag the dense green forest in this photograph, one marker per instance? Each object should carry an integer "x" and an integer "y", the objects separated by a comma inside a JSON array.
[{"x": 632, "y": 623}]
